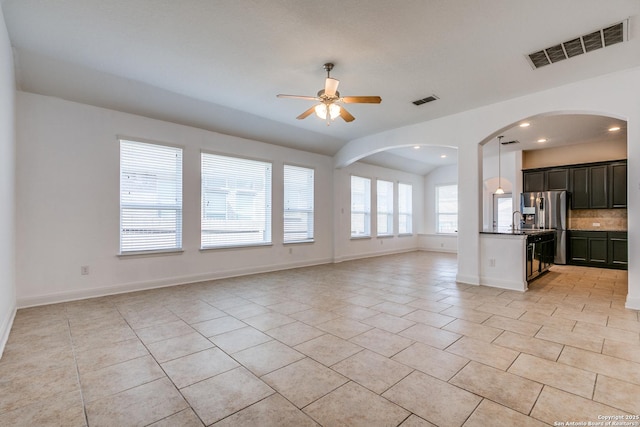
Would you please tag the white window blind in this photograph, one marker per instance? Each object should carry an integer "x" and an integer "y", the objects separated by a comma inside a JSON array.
[
  {"x": 447, "y": 208},
  {"x": 384, "y": 191},
  {"x": 405, "y": 208},
  {"x": 150, "y": 197},
  {"x": 236, "y": 201},
  {"x": 298, "y": 204},
  {"x": 360, "y": 206}
]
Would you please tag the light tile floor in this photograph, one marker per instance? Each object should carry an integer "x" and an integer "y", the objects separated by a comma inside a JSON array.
[{"x": 385, "y": 341}]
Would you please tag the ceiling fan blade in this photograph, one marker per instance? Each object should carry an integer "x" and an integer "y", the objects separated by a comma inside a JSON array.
[
  {"x": 331, "y": 86},
  {"x": 346, "y": 116},
  {"x": 307, "y": 113},
  {"x": 361, "y": 99},
  {"x": 308, "y": 98}
]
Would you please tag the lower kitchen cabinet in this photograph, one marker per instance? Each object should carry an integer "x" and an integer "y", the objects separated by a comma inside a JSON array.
[{"x": 605, "y": 249}]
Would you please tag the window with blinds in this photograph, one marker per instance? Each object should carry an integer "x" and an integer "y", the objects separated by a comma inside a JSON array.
[
  {"x": 235, "y": 201},
  {"x": 405, "y": 208},
  {"x": 360, "y": 207},
  {"x": 298, "y": 204},
  {"x": 384, "y": 192},
  {"x": 150, "y": 197}
]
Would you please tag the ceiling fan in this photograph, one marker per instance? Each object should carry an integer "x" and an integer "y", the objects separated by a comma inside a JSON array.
[{"x": 330, "y": 101}]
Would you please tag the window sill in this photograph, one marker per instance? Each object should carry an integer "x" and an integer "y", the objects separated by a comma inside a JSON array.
[
  {"x": 145, "y": 254},
  {"x": 360, "y": 237},
  {"x": 385, "y": 236},
  {"x": 405, "y": 235},
  {"x": 297, "y": 242},
  {"x": 227, "y": 247}
]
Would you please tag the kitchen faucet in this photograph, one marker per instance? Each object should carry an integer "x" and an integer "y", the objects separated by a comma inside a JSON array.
[{"x": 513, "y": 220}]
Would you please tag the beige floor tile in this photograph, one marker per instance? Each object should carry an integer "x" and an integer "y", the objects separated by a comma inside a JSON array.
[
  {"x": 198, "y": 366},
  {"x": 483, "y": 352},
  {"x": 619, "y": 394},
  {"x": 355, "y": 312},
  {"x": 246, "y": 310},
  {"x": 226, "y": 302},
  {"x": 570, "y": 338},
  {"x": 602, "y": 364},
  {"x": 274, "y": 411},
  {"x": 218, "y": 326},
  {"x": 473, "y": 330},
  {"x": 580, "y": 316},
  {"x": 140, "y": 405},
  {"x": 434, "y": 400},
  {"x": 502, "y": 387},
  {"x": 289, "y": 307},
  {"x": 429, "y": 335},
  {"x": 354, "y": 405},
  {"x": 92, "y": 339},
  {"x": 432, "y": 361},
  {"x": 468, "y": 314},
  {"x": 383, "y": 342},
  {"x": 416, "y": 421},
  {"x": 429, "y": 318},
  {"x": 328, "y": 349},
  {"x": 295, "y": 333},
  {"x": 185, "y": 418},
  {"x": 490, "y": 413},
  {"x": 621, "y": 350},
  {"x": 267, "y": 321},
  {"x": 525, "y": 344},
  {"x": 364, "y": 301},
  {"x": 235, "y": 390},
  {"x": 393, "y": 308},
  {"x": 558, "y": 375},
  {"x": 501, "y": 310},
  {"x": 531, "y": 307},
  {"x": 64, "y": 409},
  {"x": 373, "y": 371},
  {"x": 388, "y": 322},
  {"x": 589, "y": 329},
  {"x": 101, "y": 357},
  {"x": 264, "y": 358},
  {"x": 13, "y": 367},
  {"x": 239, "y": 339},
  {"x": 547, "y": 320},
  {"x": 429, "y": 305},
  {"x": 555, "y": 406},
  {"x": 304, "y": 381},
  {"x": 149, "y": 317},
  {"x": 195, "y": 311},
  {"x": 180, "y": 346},
  {"x": 314, "y": 316},
  {"x": 508, "y": 324},
  {"x": 344, "y": 328},
  {"x": 116, "y": 378}
]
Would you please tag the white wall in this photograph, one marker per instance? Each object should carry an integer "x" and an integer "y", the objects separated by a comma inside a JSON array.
[
  {"x": 68, "y": 204},
  {"x": 7, "y": 186},
  {"x": 508, "y": 180},
  {"x": 614, "y": 95},
  {"x": 347, "y": 248},
  {"x": 429, "y": 240}
]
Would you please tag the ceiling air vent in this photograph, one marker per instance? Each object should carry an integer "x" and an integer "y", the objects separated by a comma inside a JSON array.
[
  {"x": 598, "y": 39},
  {"x": 425, "y": 100}
]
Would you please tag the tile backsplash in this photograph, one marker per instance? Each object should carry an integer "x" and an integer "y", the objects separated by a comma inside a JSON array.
[{"x": 609, "y": 219}]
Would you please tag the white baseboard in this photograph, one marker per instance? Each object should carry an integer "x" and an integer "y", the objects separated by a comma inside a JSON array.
[
  {"x": 632, "y": 303},
  {"x": 512, "y": 285},
  {"x": 5, "y": 328},
  {"x": 372, "y": 255},
  {"x": 468, "y": 280},
  {"x": 441, "y": 250},
  {"x": 74, "y": 295}
]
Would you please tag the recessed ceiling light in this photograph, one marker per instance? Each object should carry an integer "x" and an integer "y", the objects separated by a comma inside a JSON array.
[
  {"x": 525, "y": 124},
  {"x": 416, "y": 147},
  {"x": 541, "y": 140},
  {"x": 443, "y": 156},
  {"x": 614, "y": 128}
]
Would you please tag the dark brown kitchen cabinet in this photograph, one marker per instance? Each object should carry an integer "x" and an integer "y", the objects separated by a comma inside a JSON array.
[
  {"x": 606, "y": 249},
  {"x": 580, "y": 188},
  {"x": 557, "y": 179},
  {"x": 598, "y": 187},
  {"x": 618, "y": 185},
  {"x": 533, "y": 181}
]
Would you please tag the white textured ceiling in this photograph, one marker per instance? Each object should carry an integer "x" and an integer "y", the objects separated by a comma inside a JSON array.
[{"x": 218, "y": 64}]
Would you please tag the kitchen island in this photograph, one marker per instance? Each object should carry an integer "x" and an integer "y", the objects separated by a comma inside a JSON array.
[{"x": 510, "y": 259}]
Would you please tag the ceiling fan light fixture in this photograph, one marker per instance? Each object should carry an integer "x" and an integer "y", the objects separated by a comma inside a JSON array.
[{"x": 329, "y": 113}]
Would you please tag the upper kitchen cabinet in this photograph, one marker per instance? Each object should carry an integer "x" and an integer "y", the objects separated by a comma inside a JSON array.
[
  {"x": 618, "y": 185},
  {"x": 557, "y": 179},
  {"x": 533, "y": 181},
  {"x": 580, "y": 188},
  {"x": 589, "y": 187}
]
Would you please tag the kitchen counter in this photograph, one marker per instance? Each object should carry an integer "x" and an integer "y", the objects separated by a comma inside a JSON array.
[{"x": 520, "y": 232}]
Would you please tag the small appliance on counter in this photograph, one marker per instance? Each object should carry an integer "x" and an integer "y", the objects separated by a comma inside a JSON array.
[{"x": 547, "y": 210}]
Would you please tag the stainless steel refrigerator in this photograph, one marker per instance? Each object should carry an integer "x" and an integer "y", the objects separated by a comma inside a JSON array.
[{"x": 544, "y": 210}]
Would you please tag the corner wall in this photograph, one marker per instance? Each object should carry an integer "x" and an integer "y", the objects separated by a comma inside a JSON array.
[{"x": 7, "y": 186}]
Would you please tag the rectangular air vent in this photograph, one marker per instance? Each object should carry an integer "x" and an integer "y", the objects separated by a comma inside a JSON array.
[
  {"x": 596, "y": 40},
  {"x": 425, "y": 100}
]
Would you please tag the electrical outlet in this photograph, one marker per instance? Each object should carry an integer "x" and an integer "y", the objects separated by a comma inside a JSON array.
[{"x": 84, "y": 270}]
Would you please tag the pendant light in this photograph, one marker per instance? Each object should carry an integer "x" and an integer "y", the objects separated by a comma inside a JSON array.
[{"x": 499, "y": 190}]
